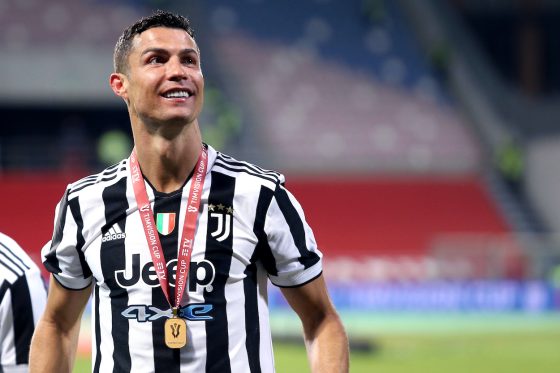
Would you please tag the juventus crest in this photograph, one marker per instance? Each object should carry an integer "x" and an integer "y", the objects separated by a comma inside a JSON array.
[{"x": 223, "y": 214}]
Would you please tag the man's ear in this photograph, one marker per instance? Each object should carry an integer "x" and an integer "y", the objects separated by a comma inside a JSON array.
[{"x": 119, "y": 85}]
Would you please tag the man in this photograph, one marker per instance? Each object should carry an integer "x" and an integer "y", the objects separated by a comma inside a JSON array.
[
  {"x": 22, "y": 299},
  {"x": 179, "y": 239}
]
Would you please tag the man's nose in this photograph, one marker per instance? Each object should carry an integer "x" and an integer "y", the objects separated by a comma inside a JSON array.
[{"x": 176, "y": 70}]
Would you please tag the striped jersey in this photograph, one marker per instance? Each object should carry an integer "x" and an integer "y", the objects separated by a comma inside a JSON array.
[
  {"x": 23, "y": 297},
  {"x": 249, "y": 229}
]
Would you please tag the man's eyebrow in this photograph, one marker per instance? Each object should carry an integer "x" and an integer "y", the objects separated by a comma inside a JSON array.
[
  {"x": 165, "y": 51},
  {"x": 154, "y": 50}
]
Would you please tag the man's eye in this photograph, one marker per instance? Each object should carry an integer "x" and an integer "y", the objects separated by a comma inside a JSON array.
[{"x": 155, "y": 59}]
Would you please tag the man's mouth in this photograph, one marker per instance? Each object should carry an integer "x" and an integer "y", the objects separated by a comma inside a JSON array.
[{"x": 177, "y": 94}]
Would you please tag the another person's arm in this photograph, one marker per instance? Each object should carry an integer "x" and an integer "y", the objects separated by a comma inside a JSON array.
[
  {"x": 55, "y": 341},
  {"x": 325, "y": 338}
]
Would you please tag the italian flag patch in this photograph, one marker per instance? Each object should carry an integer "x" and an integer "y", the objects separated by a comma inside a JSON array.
[{"x": 165, "y": 222}]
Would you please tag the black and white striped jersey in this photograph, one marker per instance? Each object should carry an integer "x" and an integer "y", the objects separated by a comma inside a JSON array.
[
  {"x": 250, "y": 229},
  {"x": 22, "y": 300}
]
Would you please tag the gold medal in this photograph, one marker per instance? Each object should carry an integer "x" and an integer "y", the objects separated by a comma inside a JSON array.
[{"x": 175, "y": 332}]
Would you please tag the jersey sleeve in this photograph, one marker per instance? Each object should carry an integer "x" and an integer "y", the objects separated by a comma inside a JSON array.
[
  {"x": 63, "y": 256},
  {"x": 291, "y": 254}
]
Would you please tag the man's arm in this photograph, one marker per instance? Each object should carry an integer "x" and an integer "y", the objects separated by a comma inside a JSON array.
[
  {"x": 325, "y": 338},
  {"x": 53, "y": 347}
]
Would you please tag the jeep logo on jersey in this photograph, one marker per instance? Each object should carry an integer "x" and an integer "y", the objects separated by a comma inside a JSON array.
[
  {"x": 200, "y": 274},
  {"x": 223, "y": 214}
]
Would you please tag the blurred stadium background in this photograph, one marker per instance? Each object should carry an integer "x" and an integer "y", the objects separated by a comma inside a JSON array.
[{"x": 421, "y": 137}]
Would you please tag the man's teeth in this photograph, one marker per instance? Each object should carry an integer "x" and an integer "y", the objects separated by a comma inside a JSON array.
[{"x": 177, "y": 94}]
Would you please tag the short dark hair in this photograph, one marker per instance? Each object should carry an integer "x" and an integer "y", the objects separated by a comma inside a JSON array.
[{"x": 159, "y": 18}]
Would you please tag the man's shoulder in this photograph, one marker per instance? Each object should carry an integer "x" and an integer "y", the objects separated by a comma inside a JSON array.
[
  {"x": 108, "y": 176},
  {"x": 231, "y": 166},
  {"x": 17, "y": 261}
]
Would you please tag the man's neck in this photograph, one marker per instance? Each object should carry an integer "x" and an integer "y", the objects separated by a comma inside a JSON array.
[{"x": 167, "y": 161}]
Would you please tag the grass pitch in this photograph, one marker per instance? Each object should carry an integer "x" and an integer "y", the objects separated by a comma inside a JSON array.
[
  {"x": 516, "y": 352},
  {"x": 434, "y": 343},
  {"x": 481, "y": 353}
]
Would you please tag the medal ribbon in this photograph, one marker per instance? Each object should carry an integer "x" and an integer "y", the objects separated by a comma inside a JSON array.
[{"x": 189, "y": 226}]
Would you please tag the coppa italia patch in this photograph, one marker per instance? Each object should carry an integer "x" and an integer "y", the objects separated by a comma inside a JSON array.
[{"x": 165, "y": 222}]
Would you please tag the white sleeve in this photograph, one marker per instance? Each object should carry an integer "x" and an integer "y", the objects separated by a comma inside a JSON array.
[{"x": 63, "y": 256}]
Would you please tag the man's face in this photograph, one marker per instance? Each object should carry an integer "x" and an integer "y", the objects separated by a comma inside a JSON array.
[{"x": 164, "y": 82}]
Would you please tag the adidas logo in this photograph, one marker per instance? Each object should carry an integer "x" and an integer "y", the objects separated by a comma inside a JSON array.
[{"x": 114, "y": 233}]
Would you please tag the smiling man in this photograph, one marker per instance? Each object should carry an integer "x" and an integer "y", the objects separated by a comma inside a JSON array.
[{"x": 177, "y": 242}]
